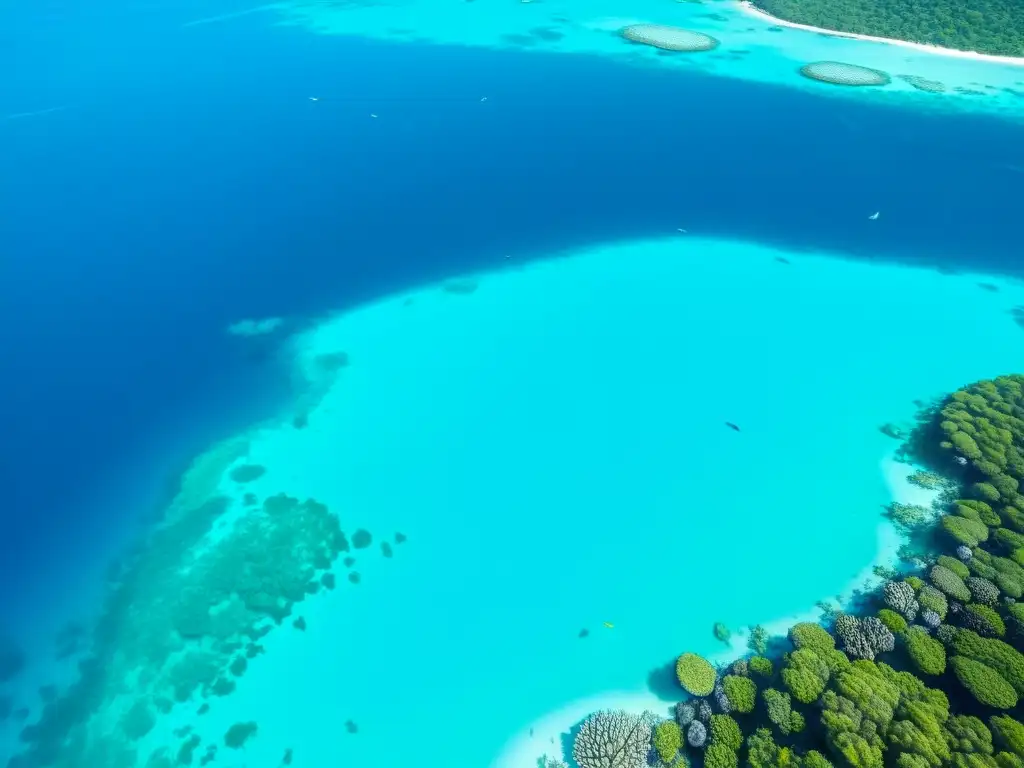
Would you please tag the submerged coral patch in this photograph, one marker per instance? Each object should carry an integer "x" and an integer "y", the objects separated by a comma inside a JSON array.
[
  {"x": 246, "y": 473},
  {"x": 669, "y": 38},
  {"x": 238, "y": 734},
  {"x": 1017, "y": 313},
  {"x": 464, "y": 286},
  {"x": 923, "y": 84},
  {"x": 182, "y": 608},
  {"x": 839, "y": 73}
]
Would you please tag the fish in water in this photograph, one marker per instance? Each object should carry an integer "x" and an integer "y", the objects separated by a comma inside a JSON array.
[
  {"x": 584, "y": 632},
  {"x": 730, "y": 425},
  {"x": 609, "y": 625},
  {"x": 782, "y": 260}
]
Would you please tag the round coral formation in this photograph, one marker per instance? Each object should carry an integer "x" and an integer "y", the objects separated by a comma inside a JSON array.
[
  {"x": 612, "y": 739},
  {"x": 949, "y": 583},
  {"x": 927, "y": 653},
  {"x": 695, "y": 674},
  {"x": 669, "y": 38},
  {"x": 839, "y": 73},
  {"x": 900, "y": 597},
  {"x": 696, "y": 734}
]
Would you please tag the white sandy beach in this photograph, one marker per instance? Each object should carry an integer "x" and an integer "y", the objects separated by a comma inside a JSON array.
[{"x": 747, "y": 7}]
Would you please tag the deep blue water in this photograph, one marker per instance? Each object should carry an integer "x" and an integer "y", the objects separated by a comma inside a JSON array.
[{"x": 190, "y": 182}]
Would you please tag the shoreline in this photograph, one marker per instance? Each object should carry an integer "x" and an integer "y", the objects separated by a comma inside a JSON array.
[
  {"x": 543, "y": 737},
  {"x": 747, "y": 7}
]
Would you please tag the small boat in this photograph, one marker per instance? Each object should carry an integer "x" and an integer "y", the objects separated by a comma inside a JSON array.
[
  {"x": 609, "y": 625},
  {"x": 874, "y": 216}
]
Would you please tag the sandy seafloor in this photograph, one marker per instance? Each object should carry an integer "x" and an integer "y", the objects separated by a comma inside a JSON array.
[
  {"x": 553, "y": 441},
  {"x": 751, "y": 48}
]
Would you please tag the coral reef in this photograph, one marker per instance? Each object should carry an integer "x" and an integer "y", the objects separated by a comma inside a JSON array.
[
  {"x": 668, "y": 740},
  {"x": 696, "y": 734},
  {"x": 949, "y": 583},
  {"x": 721, "y": 699},
  {"x": 686, "y": 713},
  {"x": 740, "y": 692},
  {"x": 669, "y": 38},
  {"x": 704, "y": 711},
  {"x": 863, "y": 638},
  {"x": 927, "y": 653},
  {"x": 838, "y": 73},
  {"x": 612, "y": 740},
  {"x": 982, "y": 590},
  {"x": 695, "y": 674},
  {"x": 246, "y": 473},
  {"x": 238, "y": 734},
  {"x": 758, "y": 640},
  {"x": 924, "y": 84},
  {"x": 908, "y": 515},
  {"x": 900, "y": 597},
  {"x": 180, "y": 610}
]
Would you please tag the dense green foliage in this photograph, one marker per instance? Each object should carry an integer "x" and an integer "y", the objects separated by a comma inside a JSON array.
[
  {"x": 695, "y": 674},
  {"x": 811, "y": 636},
  {"x": 983, "y": 620},
  {"x": 780, "y": 711},
  {"x": 948, "y": 582},
  {"x": 927, "y": 653},
  {"x": 741, "y": 692},
  {"x": 963, "y": 530},
  {"x": 984, "y": 683},
  {"x": 725, "y": 730},
  {"x": 720, "y": 756},
  {"x": 805, "y": 675},
  {"x": 759, "y": 665},
  {"x": 987, "y": 26},
  {"x": 954, "y": 565},
  {"x": 892, "y": 620},
  {"x": 668, "y": 740}
]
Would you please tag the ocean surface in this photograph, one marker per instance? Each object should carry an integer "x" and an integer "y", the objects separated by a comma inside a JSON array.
[{"x": 555, "y": 273}]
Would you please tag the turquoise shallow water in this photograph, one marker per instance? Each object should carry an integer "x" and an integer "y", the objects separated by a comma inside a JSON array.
[
  {"x": 553, "y": 444},
  {"x": 551, "y": 437}
]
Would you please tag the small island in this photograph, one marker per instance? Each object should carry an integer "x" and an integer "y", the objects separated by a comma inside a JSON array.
[{"x": 993, "y": 27}]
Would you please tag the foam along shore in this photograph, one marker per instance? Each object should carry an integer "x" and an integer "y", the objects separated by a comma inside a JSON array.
[{"x": 747, "y": 7}]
